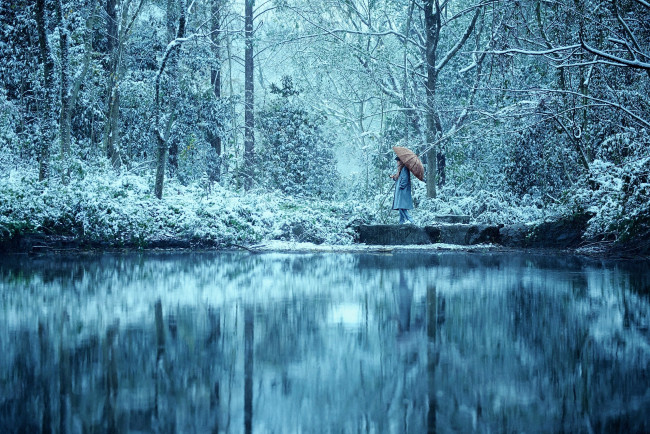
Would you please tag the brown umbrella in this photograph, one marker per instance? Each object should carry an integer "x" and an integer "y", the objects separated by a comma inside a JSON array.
[{"x": 411, "y": 161}]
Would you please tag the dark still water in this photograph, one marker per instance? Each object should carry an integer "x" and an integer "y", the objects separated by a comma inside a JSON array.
[{"x": 323, "y": 343}]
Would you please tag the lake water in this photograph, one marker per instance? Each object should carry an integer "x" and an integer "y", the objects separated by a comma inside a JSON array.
[{"x": 323, "y": 343}]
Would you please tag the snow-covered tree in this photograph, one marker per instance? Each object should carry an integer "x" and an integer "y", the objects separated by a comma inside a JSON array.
[{"x": 295, "y": 152}]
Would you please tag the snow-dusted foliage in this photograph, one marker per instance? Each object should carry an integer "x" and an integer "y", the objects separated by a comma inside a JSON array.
[
  {"x": 530, "y": 110},
  {"x": 9, "y": 117},
  {"x": 122, "y": 211},
  {"x": 295, "y": 153},
  {"x": 539, "y": 162},
  {"x": 620, "y": 195},
  {"x": 487, "y": 207}
]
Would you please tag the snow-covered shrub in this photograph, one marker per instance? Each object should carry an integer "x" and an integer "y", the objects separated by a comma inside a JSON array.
[
  {"x": 295, "y": 152},
  {"x": 136, "y": 134},
  {"x": 486, "y": 207},
  {"x": 620, "y": 197},
  {"x": 194, "y": 147},
  {"x": 9, "y": 117},
  {"x": 18, "y": 204},
  {"x": 121, "y": 210},
  {"x": 538, "y": 161}
]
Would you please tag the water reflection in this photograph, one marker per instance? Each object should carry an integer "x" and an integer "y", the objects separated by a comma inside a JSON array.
[{"x": 232, "y": 342}]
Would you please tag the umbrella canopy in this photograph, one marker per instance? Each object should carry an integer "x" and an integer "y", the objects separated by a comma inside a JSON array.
[{"x": 411, "y": 161}]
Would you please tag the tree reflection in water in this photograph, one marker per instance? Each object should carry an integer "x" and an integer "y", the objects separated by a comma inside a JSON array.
[{"x": 232, "y": 342}]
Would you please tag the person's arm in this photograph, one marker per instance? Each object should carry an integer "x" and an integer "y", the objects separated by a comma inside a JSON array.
[{"x": 403, "y": 178}]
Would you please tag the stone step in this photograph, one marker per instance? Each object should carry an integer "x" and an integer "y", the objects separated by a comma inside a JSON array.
[
  {"x": 560, "y": 234},
  {"x": 463, "y": 234}
]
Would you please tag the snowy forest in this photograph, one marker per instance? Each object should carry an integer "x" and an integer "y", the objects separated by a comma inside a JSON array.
[{"x": 128, "y": 122}]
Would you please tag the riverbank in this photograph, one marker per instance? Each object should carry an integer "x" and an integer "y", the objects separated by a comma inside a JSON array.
[
  {"x": 121, "y": 212},
  {"x": 36, "y": 245},
  {"x": 97, "y": 212}
]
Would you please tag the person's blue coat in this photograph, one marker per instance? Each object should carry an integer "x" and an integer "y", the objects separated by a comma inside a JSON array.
[{"x": 402, "y": 198}]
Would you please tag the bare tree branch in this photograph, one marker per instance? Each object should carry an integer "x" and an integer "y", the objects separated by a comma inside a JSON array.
[
  {"x": 469, "y": 9},
  {"x": 596, "y": 61},
  {"x": 462, "y": 117},
  {"x": 626, "y": 62},
  {"x": 610, "y": 104},
  {"x": 533, "y": 52},
  {"x": 384, "y": 33},
  {"x": 133, "y": 18},
  {"x": 629, "y": 33},
  {"x": 460, "y": 42}
]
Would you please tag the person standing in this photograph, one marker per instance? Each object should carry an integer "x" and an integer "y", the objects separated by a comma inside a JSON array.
[{"x": 402, "y": 200}]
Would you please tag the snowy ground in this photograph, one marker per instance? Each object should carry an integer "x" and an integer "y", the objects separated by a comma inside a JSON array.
[
  {"x": 121, "y": 211},
  {"x": 116, "y": 211},
  {"x": 301, "y": 247}
]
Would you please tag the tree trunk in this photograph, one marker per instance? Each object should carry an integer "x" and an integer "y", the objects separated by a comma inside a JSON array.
[
  {"x": 160, "y": 354},
  {"x": 432, "y": 21},
  {"x": 172, "y": 30},
  {"x": 117, "y": 35},
  {"x": 161, "y": 160},
  {"x": 46, "y": 352},
  {"x": 409, "y": 118},
  {"x": 214, "y": 137},
  {"x": 212, "y": 341},
  {"x": 433, "y": 356},
  {"x": 110, "y": 380},
  {"x": 405, "y": 301},
  {"x": 249, "y": 121},
  {"x": 249, "y": 340},
  {"x": 112, "y": 137},
  {"x": 48, "y": 67},
  {"x": 161, "y": 138},
  {"x": 111, "y": 128},
  {"x": 441, "y": 161},
  {"x": 65, "y": 386},
  {"x": 432, "y": 27},
  {"x": 215, "y": 37},
  {"x": 64, "y": 116}
]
